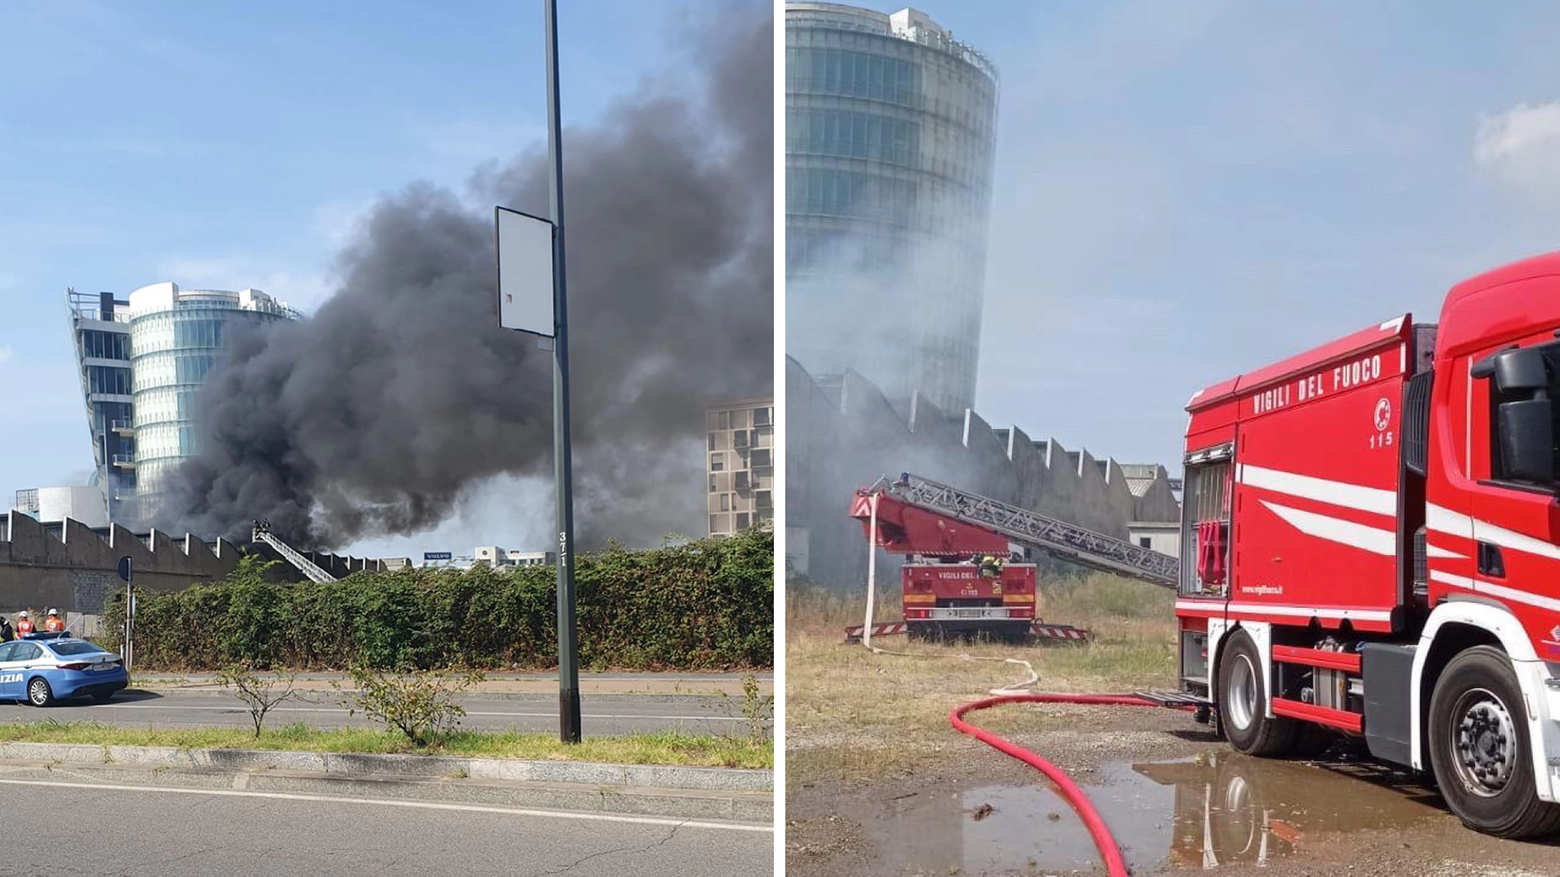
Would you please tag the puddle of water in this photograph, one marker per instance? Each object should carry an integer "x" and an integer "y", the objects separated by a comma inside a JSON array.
[{"x": 1216, "y": 809}]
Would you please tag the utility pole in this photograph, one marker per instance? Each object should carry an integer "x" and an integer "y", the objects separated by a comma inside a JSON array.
[{"x": 568, "y": 648}]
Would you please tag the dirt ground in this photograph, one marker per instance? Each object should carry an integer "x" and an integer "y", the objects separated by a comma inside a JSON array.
[{"x": 878, "y": 783}]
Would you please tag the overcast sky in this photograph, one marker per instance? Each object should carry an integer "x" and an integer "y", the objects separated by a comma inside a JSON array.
[
  {"x": 1186, "y": 191},
  {"x": 235, "y": 146}
]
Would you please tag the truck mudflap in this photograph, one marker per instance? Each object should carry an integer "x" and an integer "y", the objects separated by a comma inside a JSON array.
[{"x": 1388, "y": 669}]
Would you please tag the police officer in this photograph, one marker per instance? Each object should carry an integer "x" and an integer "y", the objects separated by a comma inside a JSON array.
[{"x": 6, "y": 633}]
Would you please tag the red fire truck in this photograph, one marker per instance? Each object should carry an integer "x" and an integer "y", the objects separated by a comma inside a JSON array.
[
  {"x": 958, "y": 578},
  {"x": 965, "y": 569},
  {"x": 1371, "y": 545}
]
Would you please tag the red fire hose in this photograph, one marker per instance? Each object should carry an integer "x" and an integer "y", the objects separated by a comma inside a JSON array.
[{"x": 1115, "y": 865}]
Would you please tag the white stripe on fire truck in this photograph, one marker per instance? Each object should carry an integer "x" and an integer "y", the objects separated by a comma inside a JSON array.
[
  {"x": 1450, "y": 523},
  {"x": 1482, "y": 587},
  {"x": 1439, "y": 552},
  {"x": 1340, "y": 493},
  {"x": 1215, "y": 607},
  {"x": 1439, "y": 519},
  {"x": 1487, "y": 532},
  {"x": 1383, "y": 542}
]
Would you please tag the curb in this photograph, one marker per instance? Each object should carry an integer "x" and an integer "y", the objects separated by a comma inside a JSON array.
[
  {"x": 655, "y": 790},
  {"x": 427, "y": 766}
]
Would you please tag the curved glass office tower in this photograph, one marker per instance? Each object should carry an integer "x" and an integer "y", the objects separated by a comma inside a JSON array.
[
  {"x": 176, "y": 337},
  {"x": 890, "y": 137}
]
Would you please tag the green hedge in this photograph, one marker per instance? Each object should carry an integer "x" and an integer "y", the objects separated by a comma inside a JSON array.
[{"x": 705, "y": 605}]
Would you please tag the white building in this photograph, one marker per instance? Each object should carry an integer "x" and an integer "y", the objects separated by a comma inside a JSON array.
[
  {"x": 54, "y": 504},
  {"x": 741, "y": 465},
  {"x": 495, "y": 555},
  {"x": 1163, "y": 537}
]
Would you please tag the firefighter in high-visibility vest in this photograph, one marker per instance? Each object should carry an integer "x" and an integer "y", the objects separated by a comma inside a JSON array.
[
  {"x": 990, "y": 566},
  {"x": 24, "y": 624},
  {"x": 54, "y": 623}
]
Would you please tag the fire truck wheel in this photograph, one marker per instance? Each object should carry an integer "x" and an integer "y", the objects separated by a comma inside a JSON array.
[
  {"x": 1479, "y": 748},
  {"x": 1243, "y": 702}
]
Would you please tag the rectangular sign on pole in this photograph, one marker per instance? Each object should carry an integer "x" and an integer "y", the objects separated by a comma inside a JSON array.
[{"x": 525, "y": 273}]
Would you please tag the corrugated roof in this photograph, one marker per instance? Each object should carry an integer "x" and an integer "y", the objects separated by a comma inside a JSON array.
[{"x": 1141, "y": 476}]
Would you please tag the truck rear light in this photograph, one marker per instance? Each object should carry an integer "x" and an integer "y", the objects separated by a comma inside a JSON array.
[
  {"x": 917, "y": 613},
  {"x": 1021, "y": 612}
]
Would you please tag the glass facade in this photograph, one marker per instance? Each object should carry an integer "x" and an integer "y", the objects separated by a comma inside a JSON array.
[
  {"x": 890, "y": 139},
  {"x": 100, "y": 333},
  {"x": 177, "y": 339}
]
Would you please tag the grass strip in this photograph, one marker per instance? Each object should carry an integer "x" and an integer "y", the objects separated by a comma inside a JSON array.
[
  {"x": 854, "y": 715},
  {"x": 671, "y": 747}
]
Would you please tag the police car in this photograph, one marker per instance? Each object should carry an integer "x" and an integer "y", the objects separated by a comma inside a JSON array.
[{"x": 44, "y": 667}]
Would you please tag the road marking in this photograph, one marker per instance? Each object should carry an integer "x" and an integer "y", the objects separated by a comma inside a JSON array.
[
  {"x": 300, "y": 709},
  {"x": 421, "y": 805}
]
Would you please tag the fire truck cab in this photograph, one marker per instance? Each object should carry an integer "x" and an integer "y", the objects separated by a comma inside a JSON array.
[{"x": 1371, "y": 546}]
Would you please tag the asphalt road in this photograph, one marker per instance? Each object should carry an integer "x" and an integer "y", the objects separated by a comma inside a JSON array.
[
  {"x": 617, "y": 714},
  {"x": 132, "y": 831}
]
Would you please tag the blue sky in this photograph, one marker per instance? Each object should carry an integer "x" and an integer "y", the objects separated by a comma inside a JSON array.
[
  {"x": 1186, "y": 191},
  {"x": 234, "y": 145}
]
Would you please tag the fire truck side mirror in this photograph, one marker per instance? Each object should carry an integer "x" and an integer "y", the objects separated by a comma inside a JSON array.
[
  {"x": 1527, "y": 440},
  {"x": 1524, "y": 426},
  {"x": 1516, "y": 370}
]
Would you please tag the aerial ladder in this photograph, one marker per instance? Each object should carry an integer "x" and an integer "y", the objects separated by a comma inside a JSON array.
[
  {"x": 310, "y": 569},
  {"x": 1033, "y": 530},
  {"x": 957, "y": 579}
]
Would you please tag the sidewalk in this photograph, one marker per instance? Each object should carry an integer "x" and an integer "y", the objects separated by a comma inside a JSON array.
[{"x": 506, "y": 684}]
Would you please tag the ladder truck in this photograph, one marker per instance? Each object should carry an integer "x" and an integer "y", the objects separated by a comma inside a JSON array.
[
  {"x": 1371, "y": 547},
  {"x": 956, "y": 579}
]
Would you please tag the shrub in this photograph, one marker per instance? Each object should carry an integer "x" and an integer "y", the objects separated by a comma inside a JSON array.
[
  {"x": 421, "y": 704},
  {"x": 701, "y": 605},
  {"x": 260, "y": 694}
]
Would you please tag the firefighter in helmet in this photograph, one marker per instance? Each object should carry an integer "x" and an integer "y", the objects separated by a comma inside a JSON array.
[
  {"x": 24, "y": 624},
  {"x": 54, "y": 624},
  {"x": 990, "y": 566}
]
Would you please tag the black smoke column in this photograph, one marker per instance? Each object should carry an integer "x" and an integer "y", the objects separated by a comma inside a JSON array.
[{"x": 400, "y": 399}]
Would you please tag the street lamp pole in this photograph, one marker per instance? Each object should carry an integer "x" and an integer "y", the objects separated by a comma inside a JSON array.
[{"x": 568, "y": 648}]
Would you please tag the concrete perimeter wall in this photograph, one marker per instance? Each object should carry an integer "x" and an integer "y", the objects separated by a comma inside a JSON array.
[
  {"x": 845, "y": 434},
  {"x": 72, "y": 568}
]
